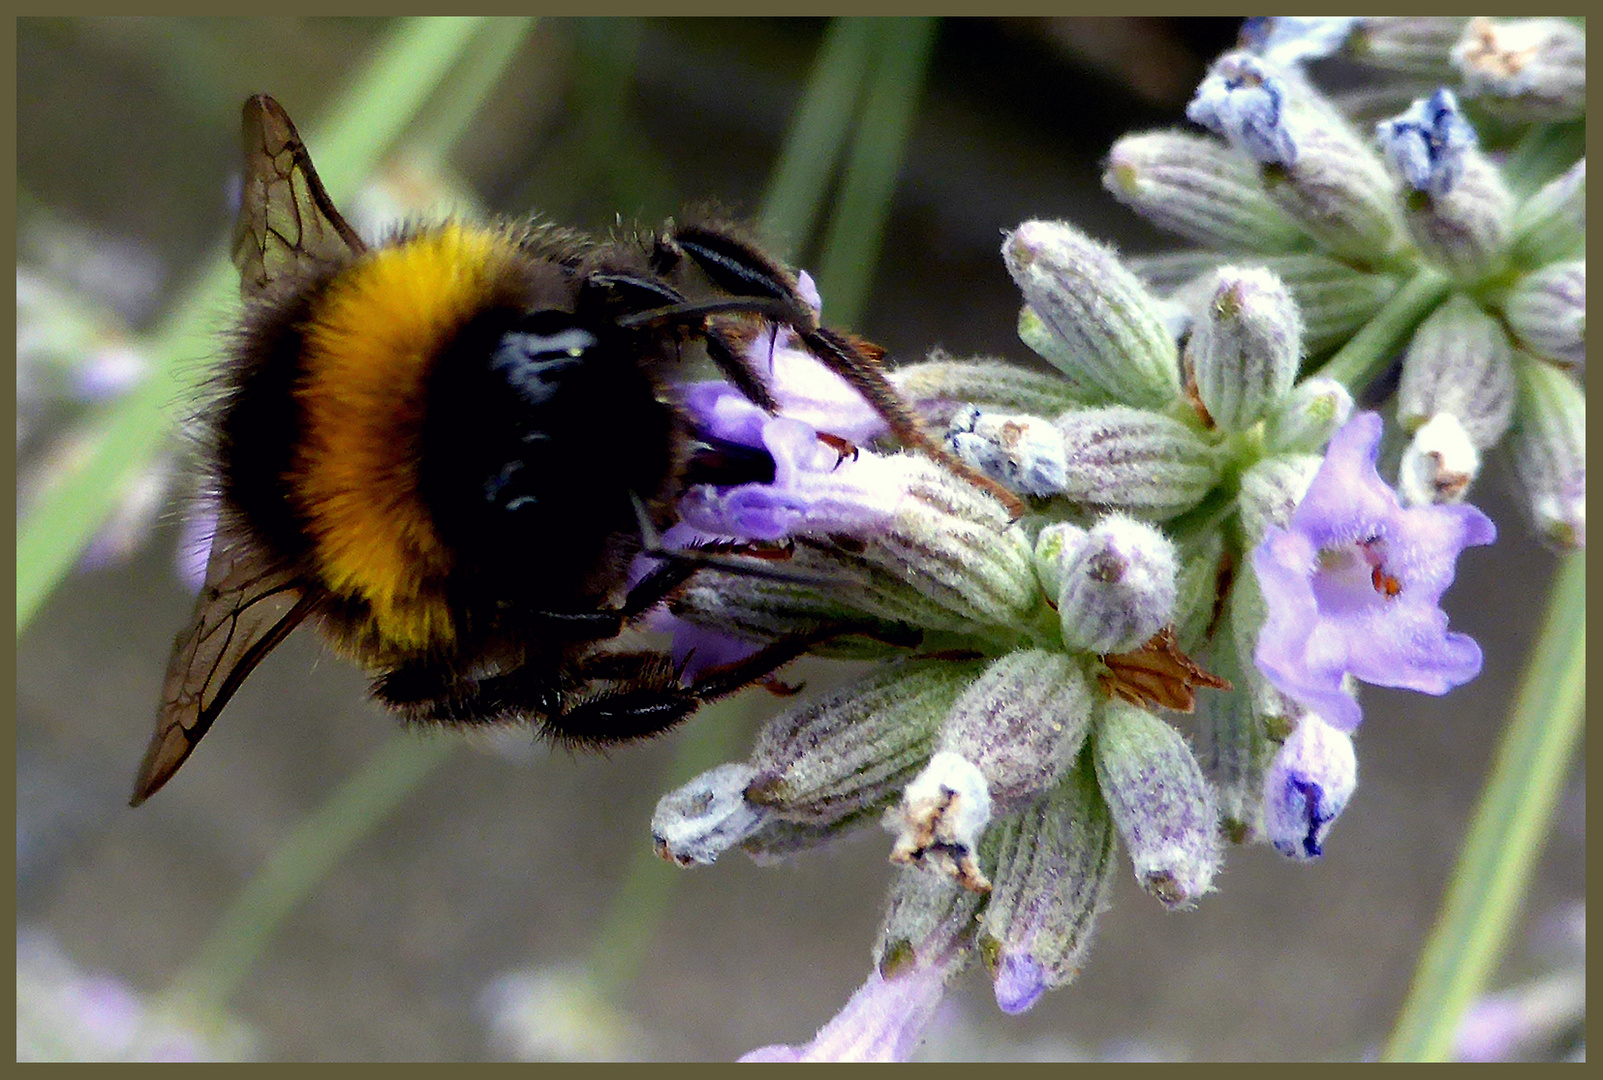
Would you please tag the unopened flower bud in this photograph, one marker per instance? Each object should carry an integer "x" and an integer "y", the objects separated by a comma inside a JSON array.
[
  {"x": 1024, "y": 452},
  {"x": 942, "y": 816},
  {"x": 1056, "y": 545},
  {"x": 938, "y": 387},
  {"x": 1334, "y": 299},
  {"x": 1548, "y": 441},
  {"x": 1120, "y": 588},
  {"x": 1315, "y": 166},
  {"x": 1525, "y": 69},
  {"x": 1161, "y": 803},
  {"x": 1413, "y": 44},
  {"x": 1439, "y": 464},
  {"x": 1022, "y": 722},
  {"x": 1054, "y": 867},
  {"x": 1135, "y": 460},
  {"x": 1551, "y": 225},
  {"x": 1307, "y": 786},
  {"x": 855, "y": 749},
  {"x": 1459, "y": 363},
  {"x": 1060, "y": 354},
  {"x": 1457, "y": 208},
  {"x": 929, "y": 922},
  {"x": 1235, "y": 748},
  {"x": 701, "y": 820},
  {"x": 1547, "y": 312},
  {"x": 1244, "y": 350},
  {"x": 1199, "y": 189},
  {"x": 1306, "y": 418},
  {"x": 1271, "y": 490},
  {"x": 1108, "y": 318}
]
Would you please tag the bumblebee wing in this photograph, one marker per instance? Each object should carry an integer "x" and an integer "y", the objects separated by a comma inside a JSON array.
[
  {"x": 245, "y": 609},
  {"x": 287, "y": 223}
]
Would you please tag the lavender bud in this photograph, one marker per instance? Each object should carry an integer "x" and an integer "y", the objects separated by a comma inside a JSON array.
[
  {"x": 1548, "y": 441},
  {"x": 1439, "y": 464},
  {"x": 1120, "y": 588},
  {"x": 941, "y": 385},
  {"x": 1243, "y": 98},
  {"x": 1099, "y": 308},
  {"x": 1525, "y": 69},
  {"x": 1161, "y": 803},
  {"x": 857, "y": 748},
  {"x": 1244, "y": 351},
  {"x": 929, "y": 922},
  {"x": 938, "y": 825},
  {"x": 1427, "y": 144},
  {"x": 1271, "y": 490},
  {"x": 1022, "y": 722},
  {"x": 1061, "y": 355},
  {"x": 1236, "y": 750},
  {"x": 1198, "y": 189},
  {"x": 701, "y": 820},
  {"x": 1547, "y": 312},
  {"x": 1024, "y": 452},
  {"x": 1135, "y": 460},
  {"x": 1288, "y": 39},
  {"x": 1413, "y": 44},
  {"x": 1457, "y": 208},
  {"x": 1315, "y": 166},
  {"x": 1307, "y": 786},
  {"x": 1459, "y": 362},
  {"x": 1334, "y": 299},
  {"x": 1551, "y": 225},
  {"x": 1204, "y": 566},
  {"x": 1056, "y": 545},
  {"x": 1054, "y": 867},
  {"x": 1307, "y": 417}
]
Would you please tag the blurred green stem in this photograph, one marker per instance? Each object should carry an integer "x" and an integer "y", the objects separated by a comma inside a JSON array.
[
  {"x": 1494, "y": 868},
  {"x": 300, "y": 862},
  {"x": 382, "y": 100},
  {"x": 1356, "y": 364},
  {"x": 795, "y": 195},
  {"x": 879, "y": 147}
]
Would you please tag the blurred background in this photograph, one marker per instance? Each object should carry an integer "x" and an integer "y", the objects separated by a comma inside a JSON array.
[{"x": 500, "y": 900}]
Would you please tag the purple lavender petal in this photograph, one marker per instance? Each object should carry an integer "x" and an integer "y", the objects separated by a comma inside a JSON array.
[
  {"x": 884, "y": 1021},
  {"x": 1019, "y": 983},
  {"x": 1352, "y": 587}
]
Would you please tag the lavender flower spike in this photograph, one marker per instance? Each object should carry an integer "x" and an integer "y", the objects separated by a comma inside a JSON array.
[{"x": 1353, "y": 586}]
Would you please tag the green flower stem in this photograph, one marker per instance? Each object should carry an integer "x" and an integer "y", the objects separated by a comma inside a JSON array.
[
  {"x": 371, "y": 116},
  {"x": 1494, "y": 868},
  {"x": 1356, "y": 364},
  {"x": 795, "y": 195},
  {"x": 300, "y": 862},
  {"x": 852, "y": 244}
]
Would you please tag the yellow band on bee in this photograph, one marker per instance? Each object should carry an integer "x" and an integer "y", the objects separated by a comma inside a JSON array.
[{"x": 370, "y": 345}]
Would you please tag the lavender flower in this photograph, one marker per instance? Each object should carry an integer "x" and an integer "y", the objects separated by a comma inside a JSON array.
[
  {"x": 1353, "y": 585},
  {"x": 1307, "y": 786},
  {"x": 883, "y": 1021},
  {"x": 1427, "y": 143}
]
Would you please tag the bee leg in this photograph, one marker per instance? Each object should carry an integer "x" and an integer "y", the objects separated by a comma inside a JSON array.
[{"x": 740, "y": 270}]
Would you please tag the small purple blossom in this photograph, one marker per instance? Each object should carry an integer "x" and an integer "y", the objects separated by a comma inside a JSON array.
[
  {"x": 1353, "y": 586},
  {"x": 1307, "y": 786},
  {"x": 1427, "y": 143},
  {"x": 1019, "y": 983},
  {"x": 1243, "y": 100},
  {"x": 884, "y": 1020}
]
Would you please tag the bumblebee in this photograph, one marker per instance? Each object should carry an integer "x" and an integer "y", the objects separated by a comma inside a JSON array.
[{"x": 446, "y": 450}]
